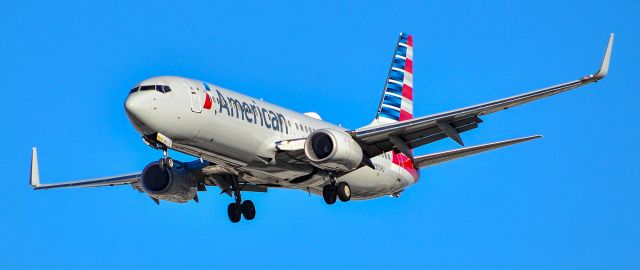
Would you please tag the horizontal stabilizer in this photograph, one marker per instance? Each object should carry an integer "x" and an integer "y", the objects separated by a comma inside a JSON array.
[{"x": 432, "y": 159}]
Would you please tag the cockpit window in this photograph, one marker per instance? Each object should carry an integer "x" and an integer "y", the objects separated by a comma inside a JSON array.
[
  {"x": 133, "y": 89},
  {"x": 159, "y": 88},
  {"x": 163, "y": 88},
  {"x": 147, "y": 87}
]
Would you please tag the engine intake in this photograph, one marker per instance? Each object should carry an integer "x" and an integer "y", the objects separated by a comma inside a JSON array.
[
  {"x": 333, "y": 150},
  {"x": 175, "y": 184}
]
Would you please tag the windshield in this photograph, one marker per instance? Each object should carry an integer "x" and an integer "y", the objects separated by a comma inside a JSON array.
[{"x": 159, "y": 88}]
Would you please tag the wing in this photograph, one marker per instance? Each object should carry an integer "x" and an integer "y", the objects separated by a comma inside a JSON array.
[
  {"x": 204, "y": 171},
  {"x": 34, "y": 180},
  {"x": 412, "y": 133}
]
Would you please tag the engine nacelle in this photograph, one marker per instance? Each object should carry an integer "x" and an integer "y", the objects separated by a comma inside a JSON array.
[
  {"x": 333, "y": 150},
  {"x": 175, "y": 184}
]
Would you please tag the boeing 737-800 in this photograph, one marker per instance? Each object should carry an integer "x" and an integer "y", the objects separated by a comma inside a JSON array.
[{"x": 245, "y": 144}]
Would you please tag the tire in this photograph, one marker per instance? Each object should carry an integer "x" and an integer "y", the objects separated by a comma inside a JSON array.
[
  {"x": 162, "y": 164},
  {"x": 168, "y": 161},
  {"x": 344, "y": 192},
  {"x": 248, "y": 210},
  {"x": 234, "y": 213},
  {"x": 329, "y": 194}
]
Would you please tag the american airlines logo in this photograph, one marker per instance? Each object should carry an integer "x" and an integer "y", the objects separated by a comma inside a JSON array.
[{"x": 250, "y": 112}]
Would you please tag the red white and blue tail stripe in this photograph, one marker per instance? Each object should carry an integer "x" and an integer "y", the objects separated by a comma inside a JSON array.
[{"x": 396, "y": 103}]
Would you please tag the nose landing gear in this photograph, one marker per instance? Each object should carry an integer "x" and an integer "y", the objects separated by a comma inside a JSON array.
[{"x": 166, "y": 161}]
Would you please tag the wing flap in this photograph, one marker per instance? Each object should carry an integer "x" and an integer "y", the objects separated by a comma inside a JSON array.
[
  {"x": 432, "y": 159},
  {"x": 421, "y": 137}
]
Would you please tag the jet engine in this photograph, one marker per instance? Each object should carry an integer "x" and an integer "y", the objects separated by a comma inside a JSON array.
[
  {"x": 333, "y": 150},
  {"x": 170, "y": 184}
]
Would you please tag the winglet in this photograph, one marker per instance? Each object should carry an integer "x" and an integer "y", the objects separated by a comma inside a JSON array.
[
  {"x": 34, "y": 180},
  {"x": 604, "y": 68}
]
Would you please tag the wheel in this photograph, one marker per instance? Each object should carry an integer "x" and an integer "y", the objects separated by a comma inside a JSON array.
[
  {"x": 168, "y": 161},
  {"x": 329, "y": 194},
  {"x": 248, "y": 210},
  {"x": 344, "y": 191},
  {"x": 234, "y": 212},
  {"x": 162, "y": 163}
]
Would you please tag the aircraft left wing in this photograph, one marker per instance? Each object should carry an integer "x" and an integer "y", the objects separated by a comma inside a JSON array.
[
  {"x": 415, "y": 132},
  {"x": 34, "y": 180}
]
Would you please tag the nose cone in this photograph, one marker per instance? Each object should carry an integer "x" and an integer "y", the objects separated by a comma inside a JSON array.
[{"x": 137, "y": 108}]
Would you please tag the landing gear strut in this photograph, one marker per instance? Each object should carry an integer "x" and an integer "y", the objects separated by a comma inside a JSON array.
[
  {"x": 238, "y": 209},
  {"x": 333, "y": 191}
]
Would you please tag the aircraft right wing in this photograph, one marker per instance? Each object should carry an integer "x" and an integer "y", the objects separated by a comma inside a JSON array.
[
  {"x": 197, "y": 168},
  {"x": 412, "y": 133},
  {"x": 34, "y": 179}
]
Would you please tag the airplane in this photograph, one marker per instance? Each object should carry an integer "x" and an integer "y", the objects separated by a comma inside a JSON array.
[{"x": 244, "y": 144}]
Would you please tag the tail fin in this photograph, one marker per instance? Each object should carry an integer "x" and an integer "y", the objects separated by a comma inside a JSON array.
[{"x": 396, "y": 103}]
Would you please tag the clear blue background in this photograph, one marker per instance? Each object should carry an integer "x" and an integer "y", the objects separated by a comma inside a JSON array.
[{"x": 569, "y": 200}]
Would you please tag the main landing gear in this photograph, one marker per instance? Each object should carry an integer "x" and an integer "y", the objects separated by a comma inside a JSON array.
[
  {"x": 332, "y": 191},
  {"x": 238, "y": 209}
]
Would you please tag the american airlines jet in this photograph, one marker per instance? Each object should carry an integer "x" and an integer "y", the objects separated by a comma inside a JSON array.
[{"x": 243, "y": 144}]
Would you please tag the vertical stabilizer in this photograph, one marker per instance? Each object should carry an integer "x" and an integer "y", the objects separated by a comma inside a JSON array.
[{"x": 396, "y": 103}]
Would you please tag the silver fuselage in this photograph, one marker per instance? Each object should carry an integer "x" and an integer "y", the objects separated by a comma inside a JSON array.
[{"x": 239, "y": 133}]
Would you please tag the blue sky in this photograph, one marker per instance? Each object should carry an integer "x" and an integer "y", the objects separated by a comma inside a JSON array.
[{"x": 569, "y": 200}]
